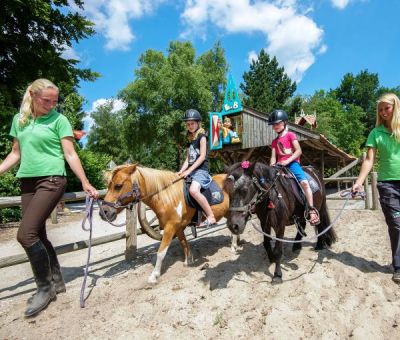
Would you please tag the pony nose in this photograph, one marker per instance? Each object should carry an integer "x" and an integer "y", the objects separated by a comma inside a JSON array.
[
  {"x": 107, "y": 214},
  {"x": 235, "y": 228}
]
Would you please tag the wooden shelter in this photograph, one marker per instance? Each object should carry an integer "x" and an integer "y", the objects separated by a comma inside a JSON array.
[{"x": 256, "y": 137}]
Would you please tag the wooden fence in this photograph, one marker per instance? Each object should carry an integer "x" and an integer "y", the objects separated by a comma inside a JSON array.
[
  {"x": 131, "y": 230},
  {"x": 130, "y": 233}
]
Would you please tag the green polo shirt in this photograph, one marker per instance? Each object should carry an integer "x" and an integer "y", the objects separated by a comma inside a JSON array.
[
  {"x": 40, "y": 144},
  {"x": 389, "y": 153}
]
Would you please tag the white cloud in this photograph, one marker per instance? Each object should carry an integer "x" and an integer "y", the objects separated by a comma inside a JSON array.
[
  {"x": 112, "y": 18},
  {"x": 291, "y": 36},
  {"x": 252, "y": 56},
  {"x": 340, "y": 4},
  {"x": 69, "y": 53}
]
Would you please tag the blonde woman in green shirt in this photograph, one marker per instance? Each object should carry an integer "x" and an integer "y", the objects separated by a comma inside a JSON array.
[
  {"x": 42, "y": 141},
  {"x": 385, "y": 139}
]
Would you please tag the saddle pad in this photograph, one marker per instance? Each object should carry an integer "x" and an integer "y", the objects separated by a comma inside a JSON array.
[
  {"x": 213, "y": 194},
  {"x": 313, "y": 183}
]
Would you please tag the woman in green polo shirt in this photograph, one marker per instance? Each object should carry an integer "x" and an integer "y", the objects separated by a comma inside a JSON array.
[
  {"x": 42, "y": 139},
  {"x": 385, "y": 139}
]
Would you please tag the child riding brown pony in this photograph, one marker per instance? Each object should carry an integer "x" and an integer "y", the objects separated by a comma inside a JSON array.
[{"x": 163, "y": 192}]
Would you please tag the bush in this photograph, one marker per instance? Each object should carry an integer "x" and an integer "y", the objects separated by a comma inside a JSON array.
[{"x": 9, "y": 186}]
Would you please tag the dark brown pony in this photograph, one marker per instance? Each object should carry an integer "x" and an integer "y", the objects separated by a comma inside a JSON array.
[
  {"x": 163, "y": 192},
  {"x": 269, "y": 192}
]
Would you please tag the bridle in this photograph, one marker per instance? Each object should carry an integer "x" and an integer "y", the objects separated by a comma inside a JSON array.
[
  {"x": 118, "y": 204},
  {"x": 258, "y": 196}
]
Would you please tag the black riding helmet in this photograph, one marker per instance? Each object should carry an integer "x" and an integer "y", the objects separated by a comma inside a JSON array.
[
  {"x": 192, "y": 114},
  {"x": 277, "y": 116}
]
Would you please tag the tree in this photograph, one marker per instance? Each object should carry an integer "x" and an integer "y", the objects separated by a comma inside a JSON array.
[
  {"x": 343, "y": 126},
  {"x": 358, "y": 90},
  {"x": 165, "y": 86},
  {"x": 34, "y": 34},
  {"x": 106, "y": 135},
  {"x": 266, "y": 86}
]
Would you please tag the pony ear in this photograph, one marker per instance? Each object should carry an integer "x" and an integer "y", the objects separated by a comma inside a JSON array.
[
  {"x": 107, "y": 175},
  {"x": 130, "y": 169}
]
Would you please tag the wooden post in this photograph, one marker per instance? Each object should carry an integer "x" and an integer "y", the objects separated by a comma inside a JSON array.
[
  {"x": 53, "y": 215},
  {"x": 367, "y": 195},
  {"x": 323, "y": 163},
  {"x": 131, "y": 234},
  {"x": 374, "y": 190}
]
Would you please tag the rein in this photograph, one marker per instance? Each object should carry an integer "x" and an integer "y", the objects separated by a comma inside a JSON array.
[{"x": 345, "y": 193}]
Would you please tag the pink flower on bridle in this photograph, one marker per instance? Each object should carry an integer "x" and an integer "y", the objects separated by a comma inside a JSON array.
[{"x": 245, "y": 164}]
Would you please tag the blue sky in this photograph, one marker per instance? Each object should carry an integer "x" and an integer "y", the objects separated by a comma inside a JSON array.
[{"x": 317, "y": 41}]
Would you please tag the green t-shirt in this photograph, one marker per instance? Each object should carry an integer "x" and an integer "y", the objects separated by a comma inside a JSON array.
[
  {"x": 40, "y": 144},
  {"x": 389, "y": 153}
]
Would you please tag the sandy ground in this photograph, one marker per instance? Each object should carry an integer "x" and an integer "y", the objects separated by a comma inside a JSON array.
[{"x": 341, "y": 293}]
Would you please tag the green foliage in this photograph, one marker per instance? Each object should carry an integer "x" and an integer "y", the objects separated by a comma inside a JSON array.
[
  {"x": 94, "y": 164},
  {"x": 9, "y": 186},
  {"x": 150, "y": 129},
  {"x": 33, "y": 36},
  {"x": 342, "y": 125},
  {"x": 71, "y": 107},
  {"x": 266, "y": 86},
  {"x": 106, "y": 136}
]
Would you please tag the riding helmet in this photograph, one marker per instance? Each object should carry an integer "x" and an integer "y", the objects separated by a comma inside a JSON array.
[
  {"x": 192, "y": 114},
  {"x": 277, "y": 116}
]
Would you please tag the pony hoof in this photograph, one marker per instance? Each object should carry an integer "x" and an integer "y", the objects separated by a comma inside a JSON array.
[
  {"x": 276, "y": 280},
  {"x": 320, "y": 247},
  {"x": 152, "y": 279},
  {"x": 296, "y": 247}
]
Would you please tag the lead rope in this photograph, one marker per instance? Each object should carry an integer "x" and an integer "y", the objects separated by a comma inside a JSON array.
[
  {"x": 344, "y": 193},
  {"x": 89, "y": 204}
]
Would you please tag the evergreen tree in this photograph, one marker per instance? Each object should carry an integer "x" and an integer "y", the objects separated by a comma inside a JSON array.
[{"x": 266, "y": 86}]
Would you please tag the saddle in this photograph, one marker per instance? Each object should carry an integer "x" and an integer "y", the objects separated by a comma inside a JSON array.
[
  {"x": 213, "y": 194},
  {"x": 296, "y": 186}
]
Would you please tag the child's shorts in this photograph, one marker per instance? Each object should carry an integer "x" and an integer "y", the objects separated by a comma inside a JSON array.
[
  {"x": 202, "y": 177},
  {"x": 297, "y": 171}
]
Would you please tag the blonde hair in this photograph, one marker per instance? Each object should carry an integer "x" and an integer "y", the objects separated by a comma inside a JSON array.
[
  {"x": 26, "y": 109},
  {"x": 392, "y": 99}
]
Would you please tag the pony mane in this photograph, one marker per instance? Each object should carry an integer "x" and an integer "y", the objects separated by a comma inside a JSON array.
[{"x": 160, "y": 182}]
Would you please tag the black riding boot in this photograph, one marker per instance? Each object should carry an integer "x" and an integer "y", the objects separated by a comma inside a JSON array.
[
  {"x": 46, "y": 292},
  {"x": 55, "y": 268}
]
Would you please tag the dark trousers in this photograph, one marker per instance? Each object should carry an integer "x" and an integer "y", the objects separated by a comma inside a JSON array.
[
  {"x": 39, "y": 196},
  {"x": 389, "y": 197}
]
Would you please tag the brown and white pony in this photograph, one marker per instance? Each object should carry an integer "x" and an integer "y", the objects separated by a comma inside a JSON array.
[{"x": 162, "y": 191}]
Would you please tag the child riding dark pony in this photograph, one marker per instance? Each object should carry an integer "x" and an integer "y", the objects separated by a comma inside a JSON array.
[{"x": 286, "y": 151}]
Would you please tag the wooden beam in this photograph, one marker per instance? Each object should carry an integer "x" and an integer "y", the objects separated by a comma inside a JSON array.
[
  {"x": 347, "y": 167},
  {"x": 66, "y": 248}
]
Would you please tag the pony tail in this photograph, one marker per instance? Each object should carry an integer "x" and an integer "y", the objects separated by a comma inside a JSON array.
[{"x": 25, "y": 111}]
